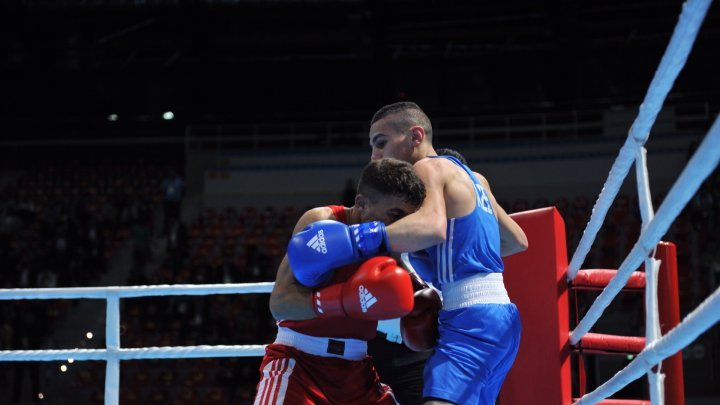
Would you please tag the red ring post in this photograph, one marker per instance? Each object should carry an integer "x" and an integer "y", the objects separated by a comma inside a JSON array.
[
  {"x": 536, "y": 282},
  {"x": 669, "y": 312}
]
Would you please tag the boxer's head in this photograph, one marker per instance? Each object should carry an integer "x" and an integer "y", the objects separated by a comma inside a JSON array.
[
  {"x": 401, "y": 131},
  {"x": 388, "y": 190}
]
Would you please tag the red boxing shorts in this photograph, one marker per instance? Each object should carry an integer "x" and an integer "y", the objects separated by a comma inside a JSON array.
[{"x": 292, "y": 377}]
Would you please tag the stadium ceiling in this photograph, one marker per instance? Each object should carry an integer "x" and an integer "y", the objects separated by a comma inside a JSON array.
[
  {"x": 253, "y": 60},
  {"x": 166, "y": 34}
]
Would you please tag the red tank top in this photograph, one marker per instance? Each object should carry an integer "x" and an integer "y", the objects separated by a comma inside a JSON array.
[{"x": 340, "y": 327}]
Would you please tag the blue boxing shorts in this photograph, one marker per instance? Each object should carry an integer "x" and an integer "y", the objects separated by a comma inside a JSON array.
[{"x": 476, "y": 348}]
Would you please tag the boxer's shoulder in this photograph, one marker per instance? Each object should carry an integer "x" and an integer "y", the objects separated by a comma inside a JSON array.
[{"x": 313, "y": 215}]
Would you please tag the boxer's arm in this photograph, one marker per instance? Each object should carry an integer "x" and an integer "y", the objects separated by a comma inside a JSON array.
[
  {"x": 512, "y": 237},
  {"x": 289, "y": 299},
  {"x": 427, "y": 226}
]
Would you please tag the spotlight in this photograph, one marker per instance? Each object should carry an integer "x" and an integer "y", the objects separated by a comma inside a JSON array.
[
  {"x": 168, "y": 115},
  {"x": 112, "y": 117}
]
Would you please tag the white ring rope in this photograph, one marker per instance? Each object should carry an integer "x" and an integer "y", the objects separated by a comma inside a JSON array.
[
  {"x": 113, "y": 353},
  {"x": 698, "y": 321},
  {"x": 700, "y": 166},
  {"x": 133, "y": 291},
  {"x": 166, "y": 352},
  {"x": 672, "y": 62},
  {"x": 652, "y": 269}
]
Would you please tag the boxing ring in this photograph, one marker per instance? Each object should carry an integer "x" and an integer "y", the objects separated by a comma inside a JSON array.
[{"x": 546, "y": 296}]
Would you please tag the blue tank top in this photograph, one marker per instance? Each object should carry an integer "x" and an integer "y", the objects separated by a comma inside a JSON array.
[{"x": 472, "y": 242}]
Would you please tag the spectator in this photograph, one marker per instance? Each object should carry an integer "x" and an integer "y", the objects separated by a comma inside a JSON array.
[
  {"x": 173, "y": 188},
  {"x": 141, "y": 245},
  {"x": 177, "y": 243}
]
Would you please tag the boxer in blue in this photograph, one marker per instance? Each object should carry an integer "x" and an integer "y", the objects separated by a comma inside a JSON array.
[{"x": 463, "y": 233}]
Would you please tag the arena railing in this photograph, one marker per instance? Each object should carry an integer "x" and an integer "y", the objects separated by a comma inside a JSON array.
[{"x": 579, "y": 124}]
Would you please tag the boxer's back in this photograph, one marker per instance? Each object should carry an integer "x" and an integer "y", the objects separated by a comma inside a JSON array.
[{"x": 472, "y": 243}]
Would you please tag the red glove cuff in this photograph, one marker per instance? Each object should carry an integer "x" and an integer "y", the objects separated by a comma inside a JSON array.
[{"x": 327, "y": 302}]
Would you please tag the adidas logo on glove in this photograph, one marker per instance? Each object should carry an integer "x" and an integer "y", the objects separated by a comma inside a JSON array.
[
  {"x": 318, "y": 242},
  {"x": 366, "y": 298}
]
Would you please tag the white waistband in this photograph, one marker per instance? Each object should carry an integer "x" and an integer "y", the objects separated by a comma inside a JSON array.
[
  {"x": 348, "y": 349},
  {"x": 483, "y": 288}
]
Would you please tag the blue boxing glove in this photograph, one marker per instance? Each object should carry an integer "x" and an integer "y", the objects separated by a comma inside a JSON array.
[
  {"x": 326, "y": 245},
  {"x": 370, "y": 238}
]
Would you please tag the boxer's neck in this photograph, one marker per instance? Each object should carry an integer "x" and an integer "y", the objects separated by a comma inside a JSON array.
[
  {"x": 424, "y": 150},
  {"x": 352, "y": 215}
]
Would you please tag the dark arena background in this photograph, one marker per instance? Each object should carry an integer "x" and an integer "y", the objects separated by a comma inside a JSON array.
[{"x": 258, "y": 110}]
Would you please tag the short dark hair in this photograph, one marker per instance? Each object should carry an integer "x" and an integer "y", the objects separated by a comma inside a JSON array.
[
  {"x": 453, "y": 153},
  {"x": 409, "y": 114},
  {"x": 386, "y": 177}
]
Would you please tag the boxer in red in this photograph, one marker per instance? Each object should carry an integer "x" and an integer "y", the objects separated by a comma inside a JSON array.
[{"x": 320, "y": 353}]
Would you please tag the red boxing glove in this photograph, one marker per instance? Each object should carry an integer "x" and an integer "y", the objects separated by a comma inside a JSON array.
[
  {"x": 378, "y": 290},
  {"x": 419, "y": 329}
]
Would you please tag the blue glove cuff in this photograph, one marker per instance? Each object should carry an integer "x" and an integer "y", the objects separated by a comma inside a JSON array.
[{"x": 370, "y": 238}]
